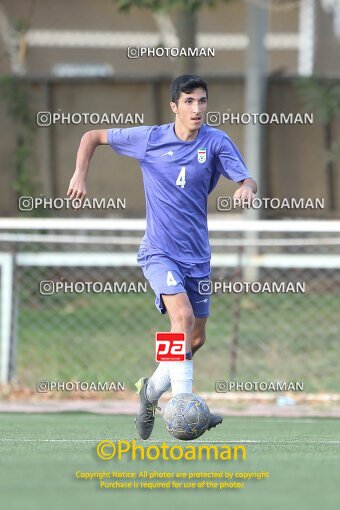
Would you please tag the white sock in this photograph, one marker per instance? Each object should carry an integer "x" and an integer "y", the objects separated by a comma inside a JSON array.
[
  {"x": 159, "y": 382},
  {"x": 181, "y": 376}
]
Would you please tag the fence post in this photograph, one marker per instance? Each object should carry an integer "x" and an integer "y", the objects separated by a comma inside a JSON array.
[{"x": 6, "y": 264}]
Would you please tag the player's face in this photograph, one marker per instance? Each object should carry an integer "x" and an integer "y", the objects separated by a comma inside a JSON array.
[{"x": 191, "y": 109}]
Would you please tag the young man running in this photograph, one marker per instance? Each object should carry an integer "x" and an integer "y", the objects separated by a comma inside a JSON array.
[{"x": 181, "y": 164}]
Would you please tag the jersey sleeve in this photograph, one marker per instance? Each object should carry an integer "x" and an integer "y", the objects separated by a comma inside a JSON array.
[
  {"x": 129, "y": 141},
  {"x": 229, "y": 162}
]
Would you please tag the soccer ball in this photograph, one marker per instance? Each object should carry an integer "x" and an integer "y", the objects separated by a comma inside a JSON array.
[{"x": 186, "y": 416}]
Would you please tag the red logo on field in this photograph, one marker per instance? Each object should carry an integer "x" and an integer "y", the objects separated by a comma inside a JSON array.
[{"x": 170, "y": 346}]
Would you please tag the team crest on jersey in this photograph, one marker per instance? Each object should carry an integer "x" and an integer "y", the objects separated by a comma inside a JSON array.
[{"x": 202, "y": 155}]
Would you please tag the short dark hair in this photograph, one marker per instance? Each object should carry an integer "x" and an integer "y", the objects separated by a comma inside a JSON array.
[{"x": 186, "y": 83}]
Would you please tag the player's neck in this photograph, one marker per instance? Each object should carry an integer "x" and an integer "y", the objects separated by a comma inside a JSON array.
[{"x": 184, "y": 134}]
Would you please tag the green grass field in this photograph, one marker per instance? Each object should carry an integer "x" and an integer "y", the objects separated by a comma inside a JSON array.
[{"x": 40, "y": 454}]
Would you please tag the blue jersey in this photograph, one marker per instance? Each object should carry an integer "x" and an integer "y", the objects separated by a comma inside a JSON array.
[{"x": 178, "y": 177}]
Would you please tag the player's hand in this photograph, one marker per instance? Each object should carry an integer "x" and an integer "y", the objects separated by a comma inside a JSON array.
[
  {"x": 245, "y": 195},
  {"x": 77, "y": 187}
]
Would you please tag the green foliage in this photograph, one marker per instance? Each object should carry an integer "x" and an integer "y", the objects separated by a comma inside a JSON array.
[
  {"x": 323, "y": 97},
  {"x": 320, "y": 96},
  {"x": 164, "y": 5},
  {"x": 16, "y": 99},
  {"x": 21, "y": 25}
]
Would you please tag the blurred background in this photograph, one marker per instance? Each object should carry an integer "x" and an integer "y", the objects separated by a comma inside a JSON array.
[{"x": 277, "y": 57}]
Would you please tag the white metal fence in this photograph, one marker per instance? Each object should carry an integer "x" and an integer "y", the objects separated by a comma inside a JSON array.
[{"x": 251, "y": 335}]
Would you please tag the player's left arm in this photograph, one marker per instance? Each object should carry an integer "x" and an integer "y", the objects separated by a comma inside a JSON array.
[
  {"x": 246, "y": 191},
  {"x": 230, "y": 163}
]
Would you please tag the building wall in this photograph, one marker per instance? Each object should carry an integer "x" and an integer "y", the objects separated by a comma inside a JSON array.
[
  {"x": 227, "y": 18},
  {"x": 294, "y": 154}
]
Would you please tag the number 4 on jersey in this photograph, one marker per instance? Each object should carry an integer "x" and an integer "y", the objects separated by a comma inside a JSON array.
[
  {"x": 181, "y": 178},
  {"x": 170, "y": 280}
]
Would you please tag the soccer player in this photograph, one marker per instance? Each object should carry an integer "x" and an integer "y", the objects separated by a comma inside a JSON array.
[{"x": 181, "y": 164}]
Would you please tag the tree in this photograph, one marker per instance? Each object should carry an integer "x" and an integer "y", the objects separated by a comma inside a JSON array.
[
  {"x": 323, "y": 97},
  {"x": 185, "y": 14}
]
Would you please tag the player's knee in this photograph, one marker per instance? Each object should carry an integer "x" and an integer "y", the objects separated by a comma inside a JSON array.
[{"x": 185, "y": 318}]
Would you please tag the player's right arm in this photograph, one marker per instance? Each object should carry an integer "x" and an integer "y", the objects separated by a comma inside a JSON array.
[{"x": 90, "y": 140}]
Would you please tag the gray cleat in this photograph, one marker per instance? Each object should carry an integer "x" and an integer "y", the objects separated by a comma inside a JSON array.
[
  {"x": 215, "y": 419},
  {"x": 145, "y": 419}
]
